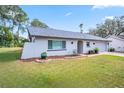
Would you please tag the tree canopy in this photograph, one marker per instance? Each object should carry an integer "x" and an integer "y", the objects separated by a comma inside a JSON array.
[
  {"x": 109, "y": 27},
  {"x": 81, "y": 27},
  {"x": 13, "y": 22},
  {"x": 38, "y": 23}
]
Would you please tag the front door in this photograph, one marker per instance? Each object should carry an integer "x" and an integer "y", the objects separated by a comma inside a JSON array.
[{"x": 80, "y": 47}]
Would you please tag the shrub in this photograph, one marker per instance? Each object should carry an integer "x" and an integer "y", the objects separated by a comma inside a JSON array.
[
  {"x": 91, "y": 52},
  {"x": 111, "y": 49},
  {"x": 96, "y": 50},
  {"x": 75, "y": 52},
  {"x": 43, "y": 55}
]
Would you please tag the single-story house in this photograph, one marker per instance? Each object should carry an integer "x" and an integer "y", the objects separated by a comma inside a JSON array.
[
  {"x": 58, "y": 42},
  {"x": 117, "y": 42}
]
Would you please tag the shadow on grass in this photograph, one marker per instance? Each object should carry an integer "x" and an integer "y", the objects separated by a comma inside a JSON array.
[{"x": 9, "y": 56}]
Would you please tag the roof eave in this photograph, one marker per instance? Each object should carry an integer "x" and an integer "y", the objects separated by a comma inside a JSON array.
[{"x": 69, "y": 38}]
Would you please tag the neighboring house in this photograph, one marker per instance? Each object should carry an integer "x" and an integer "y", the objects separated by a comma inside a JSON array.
[
  {"x": 59, "y": 42},
  {"x": 117, "y": 42}
]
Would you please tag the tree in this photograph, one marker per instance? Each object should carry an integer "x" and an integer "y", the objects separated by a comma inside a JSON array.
[
  {"x": 81, "y": 28},
  {"x": 20, "y": 20},
  {"x": 12, "y": 18},
  {"x": 120, "y": 25},
  {"x": 6, "y": 38},
  {"x": 4, "y": 15},
  {"x": 37, "y": 23},
  {"x": 109, "y": 27}
]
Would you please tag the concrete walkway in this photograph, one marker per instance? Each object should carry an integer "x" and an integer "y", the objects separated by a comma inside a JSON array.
[
  {"x": 108, "y": 53},
  {"x": 114, "y": 53}
]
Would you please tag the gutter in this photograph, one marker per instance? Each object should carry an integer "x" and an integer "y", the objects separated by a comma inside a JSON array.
[{"x": 70, "y": 38}]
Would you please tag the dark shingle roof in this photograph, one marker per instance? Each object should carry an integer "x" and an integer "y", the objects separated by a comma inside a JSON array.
[{"x": 48, "y": 32}]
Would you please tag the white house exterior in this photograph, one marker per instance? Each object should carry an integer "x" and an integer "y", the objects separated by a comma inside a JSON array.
[
  {"x": 117, "y": 43},
  {"x": 58, "y": 43}
]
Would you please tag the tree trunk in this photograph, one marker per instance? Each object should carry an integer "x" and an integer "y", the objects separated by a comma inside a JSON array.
[
  {"x": 120, "y": 33},
  {"x": 18, "y": 31}
]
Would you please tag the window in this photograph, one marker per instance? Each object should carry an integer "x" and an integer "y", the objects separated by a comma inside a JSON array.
[
  {"x": 56, "y": 45},
  {"x": 88, "y": 44}
]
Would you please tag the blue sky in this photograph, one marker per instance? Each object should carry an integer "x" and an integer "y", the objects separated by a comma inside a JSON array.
[{"x": 69, "y": 17}]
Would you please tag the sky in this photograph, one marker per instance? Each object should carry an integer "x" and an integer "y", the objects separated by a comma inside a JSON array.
[{"x": 69, "y": 17}]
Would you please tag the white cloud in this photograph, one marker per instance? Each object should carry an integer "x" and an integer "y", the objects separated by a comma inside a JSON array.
[
  {"x": 105, "y": 6},
  {"x": 108, "y": 17},
  {"x": 98, "y": 7},
  {"x": 68, "y": 14}
]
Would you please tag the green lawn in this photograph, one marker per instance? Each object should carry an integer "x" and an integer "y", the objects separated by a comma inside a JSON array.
[{"x": 99, "y": 71}]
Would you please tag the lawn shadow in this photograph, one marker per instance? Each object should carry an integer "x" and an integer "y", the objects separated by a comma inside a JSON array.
[{"x": 9, "y": 56}]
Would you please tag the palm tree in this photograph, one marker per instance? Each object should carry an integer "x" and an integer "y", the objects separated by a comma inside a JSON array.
[
  {"x": 21, "y": 20},
  {"x": 81, "y": 27}
]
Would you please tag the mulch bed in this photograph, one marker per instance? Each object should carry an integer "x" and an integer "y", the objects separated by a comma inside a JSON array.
[{"x": 39, "y": 60}]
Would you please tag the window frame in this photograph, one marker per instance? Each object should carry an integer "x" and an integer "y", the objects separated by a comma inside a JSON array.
[
  {"x": 52, "y": 41},
  {"x": 88, "y": 44}
]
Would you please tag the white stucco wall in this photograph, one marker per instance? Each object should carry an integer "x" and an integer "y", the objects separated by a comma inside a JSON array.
[
  {"x": 32, "y": 50},
  {"x": 98, "y": 44},
  {"x": 116, "y": 43}
]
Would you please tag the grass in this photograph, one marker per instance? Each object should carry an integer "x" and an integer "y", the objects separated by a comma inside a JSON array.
[{"x": 100, "y": 71}]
